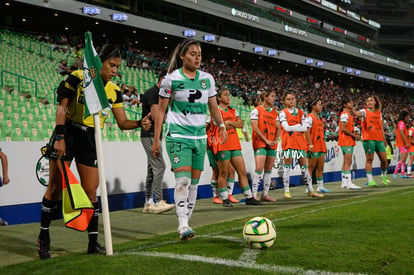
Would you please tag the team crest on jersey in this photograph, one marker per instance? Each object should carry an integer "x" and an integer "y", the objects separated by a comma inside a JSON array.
[
  {"x": 349, "y": 149},
  {"x": 176, "y": 159},
  {"x": 203, "y": 84}
]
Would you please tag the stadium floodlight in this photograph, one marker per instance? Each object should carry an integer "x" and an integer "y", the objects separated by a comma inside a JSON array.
[
  {"x": 119, "y": 17},
  {"x": 386, "y": 79},
  {"x": 348, "y": 70},
  {"x": 271, "y": 52},
  {"x": 91, "y": 10},
  {"x": 380, "y": 77},
  {"x": 320, "y": 64},
  {"x": 308, "y": 61},
  {"x": 257, "y": 49},
  {"x": 357, "y": 72},
  {"x": 189, "y": 33},
  {"x": 209, "y": 38}
]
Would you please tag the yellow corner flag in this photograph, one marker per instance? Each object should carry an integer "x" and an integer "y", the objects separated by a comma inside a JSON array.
[{"x": 76, "y": 207}]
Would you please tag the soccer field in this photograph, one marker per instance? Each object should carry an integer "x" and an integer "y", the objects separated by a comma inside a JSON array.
[{"x": 355, "y": 232}]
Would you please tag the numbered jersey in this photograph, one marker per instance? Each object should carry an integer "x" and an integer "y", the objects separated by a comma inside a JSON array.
[{"x": 187, "y": 111}]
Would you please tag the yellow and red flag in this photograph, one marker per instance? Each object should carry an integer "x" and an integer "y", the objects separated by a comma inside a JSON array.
[{"x": 76, "y": 207}]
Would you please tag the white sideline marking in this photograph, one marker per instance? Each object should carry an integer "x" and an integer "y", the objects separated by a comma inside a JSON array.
[
  {"x": 234, "y": 263},
  {"x": 249, "y": 255}
]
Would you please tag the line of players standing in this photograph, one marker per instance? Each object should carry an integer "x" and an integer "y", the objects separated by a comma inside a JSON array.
[{"x": 302, "y": 138}]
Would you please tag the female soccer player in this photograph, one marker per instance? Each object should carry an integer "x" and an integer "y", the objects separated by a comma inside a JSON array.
[
  {"x": 230, "y": 152},
  {"x": 211, "y": 138},
  {"x": 402, "y": 143},
  {"x": 74, "y": 138},
  {"x": 265, "y": 134},
  {"x": 411, "y": 154},
  {"x": 187, "y": 92},
  {"x": 346, "y": 140},
  {"x": 317, "y": 147},
  {"x": 373, "y": 138},
  {"x": 294, "y": 129}
]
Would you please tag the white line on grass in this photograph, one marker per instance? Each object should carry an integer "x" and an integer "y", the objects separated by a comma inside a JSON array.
[
  {"x": 249, "y": 255},
  {"x": 235, "y": 263}
]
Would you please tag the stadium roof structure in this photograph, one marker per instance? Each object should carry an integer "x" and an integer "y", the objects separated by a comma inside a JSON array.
[{"x": 225, "y": 28}]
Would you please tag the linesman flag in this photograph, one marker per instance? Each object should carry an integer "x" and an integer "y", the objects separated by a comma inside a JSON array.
[
  {"x": 95, "y": 96},
  {"x": 76, "y": 207}
]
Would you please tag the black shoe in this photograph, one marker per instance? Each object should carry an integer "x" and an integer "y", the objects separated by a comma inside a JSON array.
[
  {"x": 96, "y": 248},
  {"x": 227, "y": 203},
  {"x": 43, "y": 249},
  {"x": 253, "y": 201}
]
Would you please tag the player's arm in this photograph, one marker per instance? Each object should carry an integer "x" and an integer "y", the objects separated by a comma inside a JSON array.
[
  {"x": 218, "y": 120},
  {"x": 234, "y": 124},
  {"x": 407, "y": 144},
  {"x": 5, "y": 167},
  {"x": 309, "y": 123},
  {"x": 158, "y": 118},
  {"x": 255, "y": 128}
]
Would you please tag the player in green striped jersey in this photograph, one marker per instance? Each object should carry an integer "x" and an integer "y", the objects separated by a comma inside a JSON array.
[{"x": 188, "y": 93}]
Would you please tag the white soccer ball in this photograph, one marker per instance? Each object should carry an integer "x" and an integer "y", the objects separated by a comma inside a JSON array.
[{"x": 259, "y": 232}]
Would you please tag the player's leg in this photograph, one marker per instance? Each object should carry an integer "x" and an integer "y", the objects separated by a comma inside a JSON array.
[
  {"x": 49, "y": 209},
  {"x": 259, "y": 160},
  {"x": 238, "y": 163},
  {"x": 267, "y": 177}
]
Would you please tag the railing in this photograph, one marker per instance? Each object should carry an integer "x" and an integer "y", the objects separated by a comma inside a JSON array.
[{"x": 19, "y": 80}]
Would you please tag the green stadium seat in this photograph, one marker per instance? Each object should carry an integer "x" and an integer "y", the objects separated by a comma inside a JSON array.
[
  {"x": 17, "y": 135},
  {"x": 34, "y": 135}
]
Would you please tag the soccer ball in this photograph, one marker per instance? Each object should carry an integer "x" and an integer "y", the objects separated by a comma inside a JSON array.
[{"x": 259, "y": 232}]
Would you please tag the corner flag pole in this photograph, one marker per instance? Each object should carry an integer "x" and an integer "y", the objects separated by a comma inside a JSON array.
[
  {"x": 102, "y": 185},
  {"x": 95, "y": 101}
]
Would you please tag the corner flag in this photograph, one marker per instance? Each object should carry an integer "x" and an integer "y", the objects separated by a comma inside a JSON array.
[
  {"x": 76, "y": 207},
  {"x": 95, "y": 96}
]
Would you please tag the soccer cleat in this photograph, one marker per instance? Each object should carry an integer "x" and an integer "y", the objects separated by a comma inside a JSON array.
[
  {"x": 371, "y": 183},
  {"x": 287, "y": 195},
  {"x": 352, "y": 186},
  {"x": 267, "y": 198},
  {"x": 3, "y": 222},
  {"x": 43, "y": 249},
  {"x": 384, "y": 179},
  {"x": 147, "y": 208},
  {"x": 404, "y": 177},
  {"x": 410, "y": 176},
  {"x": 186, "y": 233},
  {"x": 217, "y": 200},
  {"x": 345, "y": 185},
  {"x": 96, "y": 248},
  {"x": 315, "y": 195},
  {"x": 322, "y": 190},
  {"x": 252, "y": 201},
  {"x": 395, "y": 176},
  {"x": 233, "y": 199},
  {"x": 227, "y": 203},
  {"x": 160, "y": 207}
]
